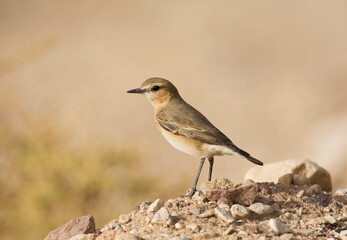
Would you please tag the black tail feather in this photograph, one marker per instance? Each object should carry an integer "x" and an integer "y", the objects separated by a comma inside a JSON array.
[{"x": 245, "y": 154}]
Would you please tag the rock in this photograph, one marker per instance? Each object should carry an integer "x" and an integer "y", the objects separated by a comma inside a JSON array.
[
  {"x": 194, "y": 227},
  {"x": 314, "y": 189},
  {"x": 162, "y": 216},
  {"x": 81, "y": 225},
  {"x": 225, "y": 206},
  {"x": 224, "y": 188},
  {"x": 341, "y": 191},
  {"x": 317, "y": 221},
  {"x": 228, "y": 230},
  {"x": 330, "y": 219},
  {"x": 272, "y": 171},
  {"x": 207, "y": 235},
  {"x": 286, "y": 179},
  {"x": 224, "y": 215},
  {"x": 292, "y": 216},
  {"x": 343, "y": 217},
  {"x": 206, "y": 214},
  {"x": 126, "y": 236},
  {"x": 199, "y": 197},
  {"x": 286, "y": 236},
  {"x": 83, "y": 237},
  {"x": 180, "y": 238},
  {"x": 261, "y": 209},
  {"x": 279, "y": 227},
  {"x": 343, "y": 235},
  {"x": 179, "y": 226},
  {"x": 239, "y": 211},
  {"x": 300, "y": 180},
  {"x": 124, "y": 218},
  {"x": 300, "y": 193},
  {"x": 155, "y": 206}
]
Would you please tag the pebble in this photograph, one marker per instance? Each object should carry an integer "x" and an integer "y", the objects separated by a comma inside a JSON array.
[
  {"x": 212, "y": 204},
  {"x": 229, "y": 230},
  {"x": 286, "y": 236},
  {"x": 161, "y": 216},
  {"x": 155, "y": 206},
  {"x": 198, "y": 196},
  {"x": 314, "y": 189},
  {"x": 300, "y": 194},
  {"x": 279, "y": 227},
  {"x": 300, "y": 180},
  {"x": 239, "y": 211},
  {"x": 224, "y": 205},
  {"x": 343, "y": 217},
  {"x": 317, "y": 221},
  {"x": 206, "y": 214},
  {"x": 286, "y": 179},
  {"x": 341, "y": 191},
  {"x": 83, "y": 237},
  {"x": 124, "y": 218},
  {"x": 330, "y": 219},
  {"x": 343, "y": 235},
  {"x": 207, "y": 235},
  {"x": 242, "y": 233},
  {"x": 194, "y": 227},
  {"x": 179, "y": 226},
  {"x": 126, "y": 236},
  {"x": 292, "y": 216},
  {"x": 276, "y": 206},
  {"x": 224, "y": 215},
  {"x": 261, "y": 209},
  {"x": 180, "y": 238}
]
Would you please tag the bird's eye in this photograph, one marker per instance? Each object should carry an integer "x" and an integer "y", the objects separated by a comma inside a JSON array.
[{"x": 155, "y": 88}]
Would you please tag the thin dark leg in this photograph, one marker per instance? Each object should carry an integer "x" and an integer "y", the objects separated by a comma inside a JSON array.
[
  {"x": 193, "y": 190},
  {"x": 211, "y": 160}
]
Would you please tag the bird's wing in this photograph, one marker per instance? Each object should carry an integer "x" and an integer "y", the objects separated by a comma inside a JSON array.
[{"x": 201, "y": 130}]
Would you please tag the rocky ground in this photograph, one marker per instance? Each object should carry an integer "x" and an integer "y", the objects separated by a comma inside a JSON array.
[{"x": 290, "y": 209}]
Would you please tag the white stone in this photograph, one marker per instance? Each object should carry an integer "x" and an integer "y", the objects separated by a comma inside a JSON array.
[
  {"x": 155, "y": 206},
  {"x": 343, "y": 235},
  {"x": 239, "y": 211},
  {"x": 82, "y": 237},
  {"x": 180, "y": 238},
  {"x": 330, "y": 219},
  {"x": 224, "y": 215},
  {"x": 261, "y": 209},
  {"x": 341, "y": 191},
  {"x": 279, "y": 227},
  {"x": 161, "y": 216},
  {"x": 272, "y": 171},
  {"x": 286, "y": 236},
  {"x": 124, "y": 218},
  {"x": 179, "y": 226}
]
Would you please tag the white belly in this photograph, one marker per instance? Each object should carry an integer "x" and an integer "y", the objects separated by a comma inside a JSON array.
[
  {"x": 183, "y": 144},
  {"x": 194, "y": 147}
]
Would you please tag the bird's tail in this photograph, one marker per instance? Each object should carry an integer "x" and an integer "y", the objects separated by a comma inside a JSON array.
[{"x": 245, "y": 155}]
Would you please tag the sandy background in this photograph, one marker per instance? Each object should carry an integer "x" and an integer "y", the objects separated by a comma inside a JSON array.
[{"x": 271, "y": 75}]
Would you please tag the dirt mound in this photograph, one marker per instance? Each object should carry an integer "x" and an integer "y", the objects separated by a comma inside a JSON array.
[{"x": 223, "y": 210}]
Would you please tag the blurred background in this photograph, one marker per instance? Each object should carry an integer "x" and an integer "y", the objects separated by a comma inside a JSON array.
[{"x": 271, "y": 75}]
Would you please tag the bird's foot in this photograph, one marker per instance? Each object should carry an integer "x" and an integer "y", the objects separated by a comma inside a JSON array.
[{"x": 190, "y": 194}]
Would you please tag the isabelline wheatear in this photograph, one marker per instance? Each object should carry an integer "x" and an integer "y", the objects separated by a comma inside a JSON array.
[{"x": 185, "y": 128}]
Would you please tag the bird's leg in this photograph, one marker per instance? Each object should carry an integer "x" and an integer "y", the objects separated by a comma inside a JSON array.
[
  {"x": 193, "y": 190},
  {"x": 211, "y": 160}
]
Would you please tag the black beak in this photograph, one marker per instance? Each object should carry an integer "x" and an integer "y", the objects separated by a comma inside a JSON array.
[{"x": 136, "y": 90}]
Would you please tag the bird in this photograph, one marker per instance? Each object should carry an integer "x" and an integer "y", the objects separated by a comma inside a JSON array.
[{"x": 185, "y": 128}]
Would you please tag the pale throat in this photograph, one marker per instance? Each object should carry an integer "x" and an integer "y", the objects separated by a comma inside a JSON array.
[{"x": 159, "y": 101}]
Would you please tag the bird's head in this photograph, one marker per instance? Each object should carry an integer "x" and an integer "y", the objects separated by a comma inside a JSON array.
[{"x": 157, "y": 90}]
